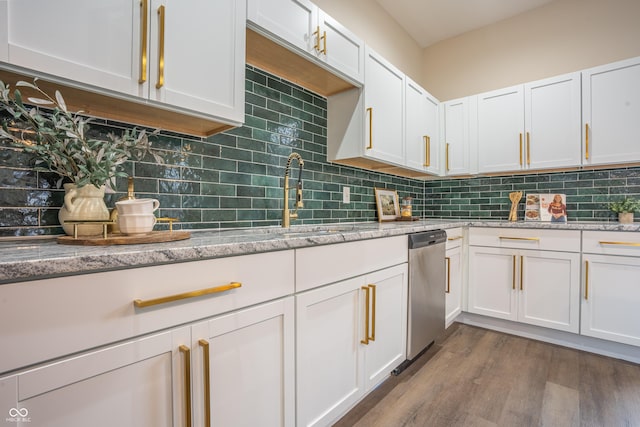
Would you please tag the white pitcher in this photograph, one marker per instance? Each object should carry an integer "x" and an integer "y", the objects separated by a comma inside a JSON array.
[{"x": 84, "y": 203}]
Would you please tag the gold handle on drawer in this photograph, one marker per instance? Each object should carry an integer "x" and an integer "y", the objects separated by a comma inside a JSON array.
[
  {"x": 160, "y": 47},
  {"x": 528, "y": 149},
  {"x": 586, "y": 141},
  {"x": 446, "y": 155},
  {"x": 454, "y": 238},
  {"x": 521, "y": 272},
  {"x": 620, "y": 243},
  {"x": 513, "y": 274},
  {"x": 163, "y": 300},
  {"x": 207, "y": 381},
  {"x": 370, "y": 112},
  {"x": 186, "y": 351},
  {"x": 144, "y": 28},
  {"x": 532, "y": 239},
  {"x": 586, "y": 280},
  {"x": 427, "y": 151},
  {"x": 367, "y": 296},
  {"x": 448, "y": 260},
  {"x": 520, "y": 149},
  {"x": 373, "y": 313}
]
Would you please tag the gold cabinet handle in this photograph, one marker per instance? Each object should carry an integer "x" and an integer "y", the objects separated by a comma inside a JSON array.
[
  {"x": 513, "y": 274},
  {"x": 586, "y": 280},
  {"x": 373, "y": 313},
  {"x": 520, "y": 149},
  {"x": 367, "y": 296},
  {"x": 324, "y": 43},
  {"x": 144, "y": 28},
  {"x": 586, "y": 141},
  {"x": 448, "y": 260},
  {"x": 528, "y": 149},
  {"x": 521, "y": 273},
  {"x": 160, "y": 47},
  {"x": 163, "y": 300},
  {"x": 533, "y": 239},
  {"x": 316, "y": 33},
  {"x": 187, "y": 383},
  {"x": 207, "y": 380},
  {"x": 454, "y": 238},
  {"x": 370, "y": 112},
  {"x": 446, "y": 160},
  {"x": 633, "y": 244},
  {"x": 427, "y": 151}
]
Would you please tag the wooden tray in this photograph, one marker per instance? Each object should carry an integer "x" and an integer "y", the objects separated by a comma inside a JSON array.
[
  {"x": 124, "y": 239},
  {"x": 408, "y": 218}
]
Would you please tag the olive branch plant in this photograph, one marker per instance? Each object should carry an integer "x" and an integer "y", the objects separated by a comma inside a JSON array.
[{"x": 60, "y": 140}]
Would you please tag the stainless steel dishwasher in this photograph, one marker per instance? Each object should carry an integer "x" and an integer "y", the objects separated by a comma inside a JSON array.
[{"x": 426, "y": 311}]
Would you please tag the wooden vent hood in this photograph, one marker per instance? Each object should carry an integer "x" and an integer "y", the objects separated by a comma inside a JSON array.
[
  {"x": 269, "y": 56},
  {"x": 120, "y": 109}
]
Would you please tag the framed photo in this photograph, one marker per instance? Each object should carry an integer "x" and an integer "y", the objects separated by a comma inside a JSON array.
[{"x": 387, "y": 204}]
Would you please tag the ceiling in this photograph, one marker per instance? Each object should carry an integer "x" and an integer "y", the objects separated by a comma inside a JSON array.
[{"x": 429, "y": 21}]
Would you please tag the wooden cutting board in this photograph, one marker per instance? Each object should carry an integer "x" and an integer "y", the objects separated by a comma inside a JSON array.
[{"x": 124, "y": 239}]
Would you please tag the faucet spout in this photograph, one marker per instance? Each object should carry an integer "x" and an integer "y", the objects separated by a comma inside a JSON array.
[{"x": 287, "y": 215}]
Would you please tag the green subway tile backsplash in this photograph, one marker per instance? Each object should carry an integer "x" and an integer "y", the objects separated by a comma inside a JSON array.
[{"x": 235, "y": 179}]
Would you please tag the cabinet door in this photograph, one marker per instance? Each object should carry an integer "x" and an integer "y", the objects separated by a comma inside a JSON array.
[
  {"x": 610, "y": 298},
  {"x": 292, "y": 21},
  {"x": 453, "y": 285},
  {"x": 610, "y": 111},
  {"x": 384, "y": 101},
  {"x": 456, "y": 136},
  {"x": 421, "y": 126},
  {"x": 201, "y": 69},
  {"x": 329, "y": 364},
  {"x": 492, "y": 282},
  {"x": 250, "y": 367},
  {"x": 552, "y": 122},
  {"x": 88, "y": 41},
  {"x": 340, "y": 48},
  {"x": 138, "y": 383},
  {"x": 549, "y": 289},
  {"x": 500, "y": 130},
  {"x": 388, "y": 320}
]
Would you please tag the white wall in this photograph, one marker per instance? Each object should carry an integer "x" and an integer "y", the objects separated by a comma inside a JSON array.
[{"x": 561, "y": 37}]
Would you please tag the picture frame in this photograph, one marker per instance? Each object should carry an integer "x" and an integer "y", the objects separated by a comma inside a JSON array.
[{"x": 387, "y": 204}]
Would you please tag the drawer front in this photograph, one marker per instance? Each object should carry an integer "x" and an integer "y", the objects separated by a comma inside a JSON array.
[
  {"x": 454, "y": 237},
  {"x": 44, "y": 319},
  {"x": 320, "y": 265},
  {"x": 611, "y": 243},
  {"x": 518, "y": 238}
]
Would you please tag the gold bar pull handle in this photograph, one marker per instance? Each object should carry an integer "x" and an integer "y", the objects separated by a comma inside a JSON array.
[
  {"x": 513, "y": 274},
  {"x": 186, "y": 351},
  {"x": 207, "y": 380},
  {"x": 446, "y": 154},
  {"x": 448, "y": 260},
  {"x": 632, "y": 244},
  {"x": 163, "y": 300},
  {"x": 427, "y": 147},
  {"x": 316, "y": 44},
  {"x": 521, "y": 273},
  {"x": 373, "y": 313},
  {"x": 144, "y": 29},
  {"x": 454, "y": 238},
  {"x": 367, "y": 296},
  {"x": 324, "y": 43},
  {"x": 586, "y": 141},
  {"x": 528, "y": 149},
  {"x": 586, "y": 280},
  {"x": 532, "y": 239},
  {"x": 370, "y": 112},
  {"x": 160, "y": 47},
  {"x": 520, "y": 149}
]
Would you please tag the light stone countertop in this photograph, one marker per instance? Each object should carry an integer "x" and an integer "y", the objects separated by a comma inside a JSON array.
[{"x": 29, "y": 259}]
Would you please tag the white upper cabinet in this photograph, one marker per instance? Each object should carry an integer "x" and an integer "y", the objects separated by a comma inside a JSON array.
[
  {"x": 4, "y": 32},
  {"x": 456, "y": 144},
  {"x": 303, "y": 26},
  {"x": 531, "y": 126},
  {"x": 610, "y": 112},
  {"x": 421, "y": 125},
  {"x": 384, "y": 108},
  {"x": 147, "y": 49}
]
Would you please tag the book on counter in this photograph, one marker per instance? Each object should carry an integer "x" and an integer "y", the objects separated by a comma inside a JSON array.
[{"x": 546, "y": 207}]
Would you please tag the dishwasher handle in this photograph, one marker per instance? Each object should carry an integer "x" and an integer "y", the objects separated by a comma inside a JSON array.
[{"x": 427, "y": 238}]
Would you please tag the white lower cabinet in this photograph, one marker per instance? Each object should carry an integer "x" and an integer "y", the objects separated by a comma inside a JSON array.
[
  {"x": 350, "y": 336},
  {"x": 453, "y": 281}
]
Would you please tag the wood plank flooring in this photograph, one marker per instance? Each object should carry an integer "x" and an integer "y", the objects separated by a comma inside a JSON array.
[{"x": 476, "y": 377}]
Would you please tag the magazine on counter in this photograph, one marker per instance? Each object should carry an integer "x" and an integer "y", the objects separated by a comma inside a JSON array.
[{"x": 546, "y": 207}]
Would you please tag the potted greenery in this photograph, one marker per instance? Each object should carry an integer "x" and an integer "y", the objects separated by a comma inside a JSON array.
[
  {"x": 625, "y": 209},
  {"x": 61, "y": 143}
]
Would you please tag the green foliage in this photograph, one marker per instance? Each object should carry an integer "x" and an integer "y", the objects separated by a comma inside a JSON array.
[
  {"x": 628, "y": 204},
  {"x": 60, "y": 142}
]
